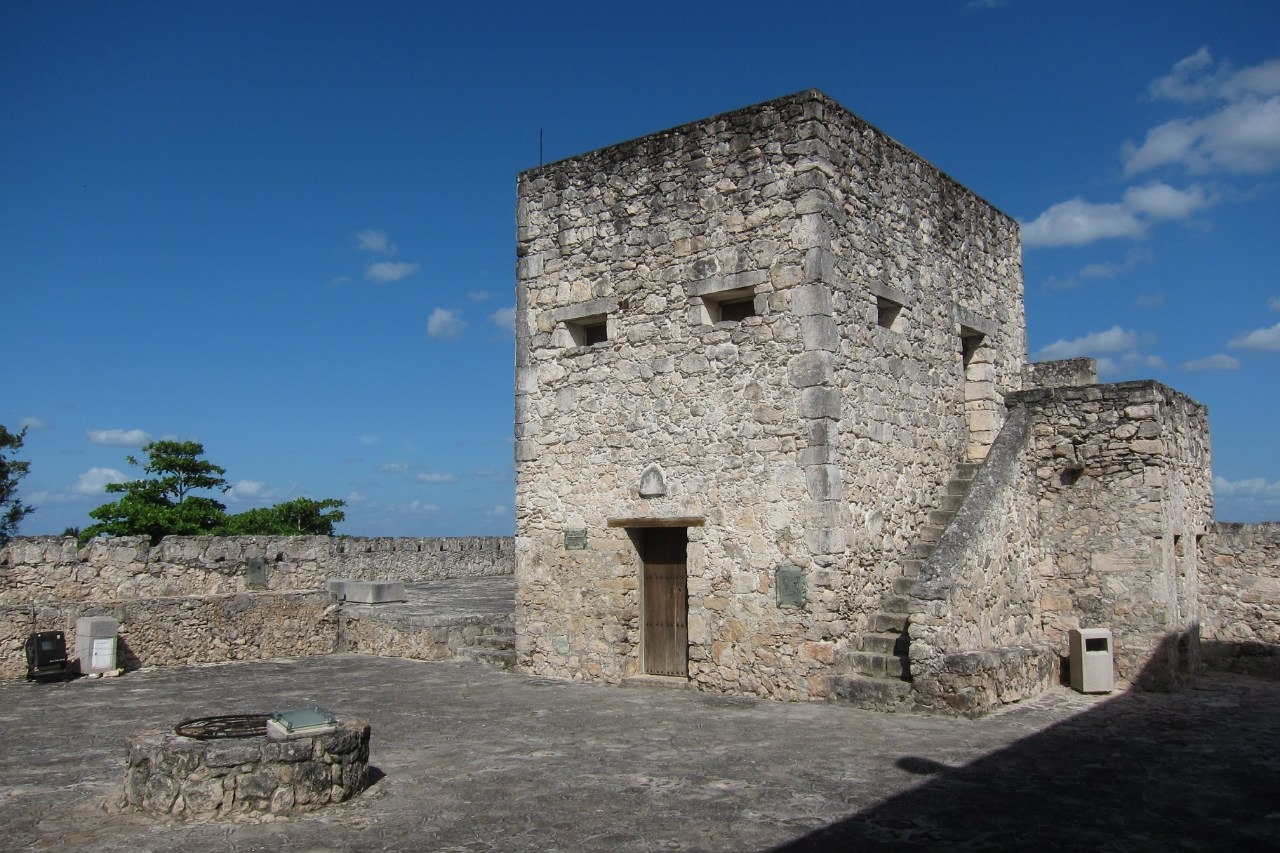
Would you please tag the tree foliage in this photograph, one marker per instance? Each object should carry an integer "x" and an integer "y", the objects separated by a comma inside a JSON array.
[
  {"x": 164, "y": 504},
  {"x": 12, "y": 510}
]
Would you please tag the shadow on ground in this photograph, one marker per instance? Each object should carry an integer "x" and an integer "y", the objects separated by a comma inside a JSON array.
[{"x": 1136, "y": 772}]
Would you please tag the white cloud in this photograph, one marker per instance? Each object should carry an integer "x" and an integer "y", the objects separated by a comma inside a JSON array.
[
  {"x": 35, "y": 424},
  {"x": 95, "y": 480},
  {"x": 1218, "y": 361},
  {"x": 419, "y": 506},
  {"x": 1150, "y": 300},
  {"x": 393, "y": 468},
  {"x": 387, "y": 271},
  {"x": 1134, "y": 258},
  {"x": 504, "y": 317},
  {"x": 497, "y": 511},
  {"x": 1242, "y": 135},
  {"x": 368, "y": 439},
  {"x": 118, "y": 437},
  {"x": 1117, "y": 350},
  {"x": 1076, "y": 222},
  {"x": 479, "y": 296},
  {"x": 1267, "y": 339},
  {"x": 436, "y": 478},
  {"x": 370, "y": 240},
  {"x": 248, "y": 490},
  {"x": 1251, "y": 487},
  {"x": 443, "y": 324},
  {"x": 1111, "y": 340},
  {"x": 1274, "y": 303}
]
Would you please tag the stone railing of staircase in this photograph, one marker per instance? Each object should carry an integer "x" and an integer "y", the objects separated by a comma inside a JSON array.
[{"x": 975, "y": 640}]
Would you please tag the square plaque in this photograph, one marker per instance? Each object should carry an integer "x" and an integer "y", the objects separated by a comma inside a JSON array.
[
  {"x": 575, "y": 539},
  {"x": 789, "y": 582}
]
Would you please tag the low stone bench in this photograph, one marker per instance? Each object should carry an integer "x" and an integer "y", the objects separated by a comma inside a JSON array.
[
  {"x": 367, "y": 592},
  {"x": 190, "y": 778}
]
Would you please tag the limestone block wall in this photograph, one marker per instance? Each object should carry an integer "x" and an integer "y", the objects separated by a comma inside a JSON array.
[
  {"x": 52, "y": 568},
  {"x": 818, "y": 431},
  {"x": 1123, "y": 489},
  {"x": 1240, "y": 598},
  {"x": 172, "y": 631},
  {"x": 976, "y": 635}
]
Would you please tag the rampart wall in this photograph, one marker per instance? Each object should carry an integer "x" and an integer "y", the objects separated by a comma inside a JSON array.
[
  {"x": 206, "y": 599},
  {"x": 1240, "y": 598}
]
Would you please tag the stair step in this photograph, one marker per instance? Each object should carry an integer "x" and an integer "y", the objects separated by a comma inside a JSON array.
[
  {"x": 877, "y": 665},
  {"x": 872, "y": 694},
  {"x": 940, "y": 518},
  {"x": 911, "y": 568},
  {"x": 951, "y": 503},
  {"x": 921, "y": 550},
  {"x": 879, "y": 644},
  {"x": 967, "y": 470},
  {"x": 896, "y": 603},
  {"x": 904, "y": 585},
  {"x": 881, "y": 622},
  {"x": 930, "y": 534}
]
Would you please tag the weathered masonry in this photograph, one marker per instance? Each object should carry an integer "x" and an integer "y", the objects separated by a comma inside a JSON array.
[{"x": 776, "y": 432}]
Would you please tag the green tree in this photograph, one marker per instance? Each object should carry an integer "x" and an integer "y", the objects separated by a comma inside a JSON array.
[
  {"x": 12, "y": 510},
  {"x": 163, "y": 505},
  {"x": 300, "y": 516}
]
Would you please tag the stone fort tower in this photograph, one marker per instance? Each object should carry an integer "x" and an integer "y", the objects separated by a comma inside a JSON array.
[{"x": 760, "y": 359}]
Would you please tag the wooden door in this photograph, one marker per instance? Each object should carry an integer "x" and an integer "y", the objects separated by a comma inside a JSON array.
[{"x": 666, "y": 614}]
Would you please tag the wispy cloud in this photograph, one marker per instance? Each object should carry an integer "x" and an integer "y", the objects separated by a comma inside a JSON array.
[
  {"x": 1117, "y": 350},
  {"x": 420, "y": 507},
  {"x": 368, "y": 439},
  {"x": 1077, "y": 222},
  {"x": 435, "y": 478},
  {"x": 1240, "y": 135},
  {"x": 505, "y": 318},
  {"x": 1150, "y": 300},
  {"x": 497, "y": 511},
  {"x": 1274, "y": 303},
  {"x": 393, "y": 468},
  {"x": 370, "y": 240},
  {"x": 479, "y": 296},
  {"x": 248, "y": 490},
  {"x": 388, "y": 271},
  {"x": 1218, "y": 361},
  {"x": 33, "y": 424},
  {"x": 444, "y": 324},
  {"x": 1263, "y": 340},
  {"x": 118, "y": 437},
  {"x": 95, "y": 480}
]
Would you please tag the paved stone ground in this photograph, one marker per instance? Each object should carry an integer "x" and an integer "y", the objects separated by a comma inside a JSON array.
[{"x": 475, "y": 759}]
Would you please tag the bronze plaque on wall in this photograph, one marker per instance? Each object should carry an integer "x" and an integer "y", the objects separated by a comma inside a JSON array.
[
  {"x": 789, "y": 582},
  {"x": 575, "y": 539}
]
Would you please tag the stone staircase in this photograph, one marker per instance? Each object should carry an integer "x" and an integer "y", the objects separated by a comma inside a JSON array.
[
  {"x": 496, "y": 646},
  {"x": 879, "y": 665}
]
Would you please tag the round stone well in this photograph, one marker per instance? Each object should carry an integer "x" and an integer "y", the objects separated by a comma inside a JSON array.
[{"x": 229, "y": 774}]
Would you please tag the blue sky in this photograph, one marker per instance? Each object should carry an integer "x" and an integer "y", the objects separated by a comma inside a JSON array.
[{"x": 286, "y": 230}]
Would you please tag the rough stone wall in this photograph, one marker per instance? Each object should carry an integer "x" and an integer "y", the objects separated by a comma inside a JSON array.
[
  {"x": 1240, "y": 598},
  {"x": 183, "y": 630},
  {"x": 48, "y": 567},
  {"x": 1122, "y": 482},
  {"x": 976, "y": 635},
  {"x": 807, "y": 434}
]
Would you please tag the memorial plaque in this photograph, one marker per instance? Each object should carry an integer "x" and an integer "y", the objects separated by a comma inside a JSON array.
[
  {"x": 789, "y": 582},
  {"x": 255, "y": 573},
  {"x": 575, "y": 539}
]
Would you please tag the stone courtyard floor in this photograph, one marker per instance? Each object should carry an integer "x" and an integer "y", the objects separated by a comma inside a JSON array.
[{"x": 476, "y": 759}]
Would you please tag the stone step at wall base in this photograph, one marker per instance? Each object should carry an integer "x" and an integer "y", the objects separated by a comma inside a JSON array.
[
  {"x": 883, "y": 622},
  {"x": 877, "y": 665},
  {"x": 872, "y": 694}
]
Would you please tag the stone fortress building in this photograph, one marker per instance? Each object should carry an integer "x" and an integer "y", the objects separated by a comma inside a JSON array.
[{"x": 776, "y": 433}]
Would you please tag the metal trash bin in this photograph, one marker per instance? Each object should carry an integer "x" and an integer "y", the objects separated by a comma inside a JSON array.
[
  {"x": 1092, "y": 660},
  {"x": 96, "y": 644}
]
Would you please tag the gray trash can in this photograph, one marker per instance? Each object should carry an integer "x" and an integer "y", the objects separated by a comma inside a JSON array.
[{"x": 1092, "y": 660}]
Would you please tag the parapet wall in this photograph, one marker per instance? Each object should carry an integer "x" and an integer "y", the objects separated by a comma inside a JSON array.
[
  {"x": 1240, "y": 598},
  {"x": 44, "y": 568},
  {"x": 209, "y": 599}
]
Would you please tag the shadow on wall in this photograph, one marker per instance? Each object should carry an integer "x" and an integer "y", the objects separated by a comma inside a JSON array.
[{"x": 1196, "y": 769}]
